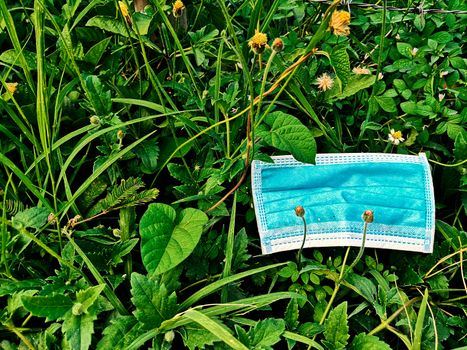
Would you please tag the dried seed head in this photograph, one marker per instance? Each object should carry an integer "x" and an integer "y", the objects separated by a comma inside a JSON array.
[
  {"x": 278, "y": 45},
  {"x": 299, "y": 211},
  {"x": 368, "y": 216}
]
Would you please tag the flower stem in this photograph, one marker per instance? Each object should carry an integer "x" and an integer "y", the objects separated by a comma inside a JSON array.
[{"x": 299, "y": 257}]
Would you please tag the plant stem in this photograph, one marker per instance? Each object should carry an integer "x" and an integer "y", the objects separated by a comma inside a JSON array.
[{"x": 299, "y": 257}]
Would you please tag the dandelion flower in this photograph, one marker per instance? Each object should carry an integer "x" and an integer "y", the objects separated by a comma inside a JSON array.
[
  {"x": 395, "y": 137},
  {"x": 361, "y": 71},
  {"x": 258, "y": 42},
  {"x": 11, "y": 87},
  {"x": 178, "y": 8},
  {"x": 339, "y": 23},
  {"x": 325, "y": 82}
]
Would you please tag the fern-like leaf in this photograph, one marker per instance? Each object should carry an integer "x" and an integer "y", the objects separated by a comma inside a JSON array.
[
  {"x": 124, "y": 195},
  {"x": 12, "y": 207}
]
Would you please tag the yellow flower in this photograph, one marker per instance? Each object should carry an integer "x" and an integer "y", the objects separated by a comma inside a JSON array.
[
  {"x": 177, "y": 8},
  {"x": 11, "y": 87},
  {"x": 361, "y": 71},
  {"x": 123, "y": 9},
  {"x": 325, "y": 82},
  {"x": 258, "y": 42},
  {"x": 339, "y": 23},
  {"x": 395, "y": 137}
]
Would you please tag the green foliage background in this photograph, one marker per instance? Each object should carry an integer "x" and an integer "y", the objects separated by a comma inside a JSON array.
[{"x": 112, "y": 111}]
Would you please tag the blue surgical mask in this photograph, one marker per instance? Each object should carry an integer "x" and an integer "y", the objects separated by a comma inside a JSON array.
[{"x": 335, "y": 192}]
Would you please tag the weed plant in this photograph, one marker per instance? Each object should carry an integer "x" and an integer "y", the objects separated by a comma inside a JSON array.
[{"x": 126, "y": 133}]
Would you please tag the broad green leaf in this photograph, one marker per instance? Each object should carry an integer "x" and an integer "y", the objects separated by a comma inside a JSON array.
[
  {"x": 368, "y": 342},
  {"x": 197, "y": 338},
  {"x": 354, "y": 85},
  {"x": 362, "y": 286},
  {"x": 108, "y": 24},
  {"x": 386, "y": 103},
  {"x": 153, "y": 303},
  {"x": 266, "y": 333},
  {"x": 98, "y": 95},
  {"x": 95, "y": 53},
  {"x": 53, "y": 307},
  {"x": 404, "y": 49},
  {"x": 33, "y": 217},
  {"x": 119, "y": 334},
  {"x": 441, "y": 37},
  {"x": 336, "y": 329},
  {"x": 168, "y": 239},
  {"x": 341, "y": 63},
  {"x": 79, "y": 329},
  {"x": 216, "y": 328},
  {"x": 288, "y": 134},
  {"x": 89, "y": 296},
  {"x": 413, "y": 108},
  {"x": 142, "y": 22}
]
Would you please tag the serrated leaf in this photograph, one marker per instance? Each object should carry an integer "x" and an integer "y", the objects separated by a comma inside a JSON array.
[
  {"x": 240, "y": 252},
  {"x": 197, "y": 338},
  {"x": 148, "y": 152},
  {"x": 288, "y": 134},
  {"x": 368, "y": 342},
  {"x": 168, "y": 239},
  {"x": 33, "y": 217},
  {"x": 336, "y": 329},
  {"x": 78, "y": 330},
  {"x": 341, "y": 63},
  {"x": 291, "y": 314},
  {"x": 119, "y": 334},
  {"x": 460, "y": 147},
  {"x": 180, "y": 173},
  {"x": 52, "y": 307},
  {"x": 153, "y": 303},
  {"x": 266, "y": 333},
  {"x": 108, "y": 24},
  {"x": 216, "y": 328},
  {"x": 98, "y": 95}
]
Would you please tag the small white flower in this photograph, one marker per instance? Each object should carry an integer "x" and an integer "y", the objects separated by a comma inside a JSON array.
[
  {"x": 414, "y": 51},
  {"x": 398, "y": 37},
  {"x": 395, "y": 137},
  {"x": 361, "y": 71},
  {"x": 443, "y": 73},
  {"x": 380, "y": 76},
  {"x": 441, "y": 97}
]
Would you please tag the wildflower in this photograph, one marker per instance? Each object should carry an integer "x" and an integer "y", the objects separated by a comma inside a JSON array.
[
  {"x": 325, "y": 82},
  {"x": 380, "y": 76},
  {"x": 258, "y": 42},
  {"x": 414, "y": 51},
  {"x": 361, "y": 71},
  {"x": 339, "y": 23},
  {"x": 395, "y": 137},
  {"x": 368, "y": 216},
  {"x": 443, "y": 73},
  {"x": 398, "y": 37},
  {"x": 278, "y": 45},
  {"x": 178, "y": 8},
  {"x": 120, "y": 135},
  {"x": 52, "y": 219},
  {"x": 300, "y": 211},
  {"x": 11, "y": 87},
  {"x": 441, "y": 97}
]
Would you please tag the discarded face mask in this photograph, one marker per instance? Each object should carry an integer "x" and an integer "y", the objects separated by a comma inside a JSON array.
[{"x": 335, "y": 192}]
